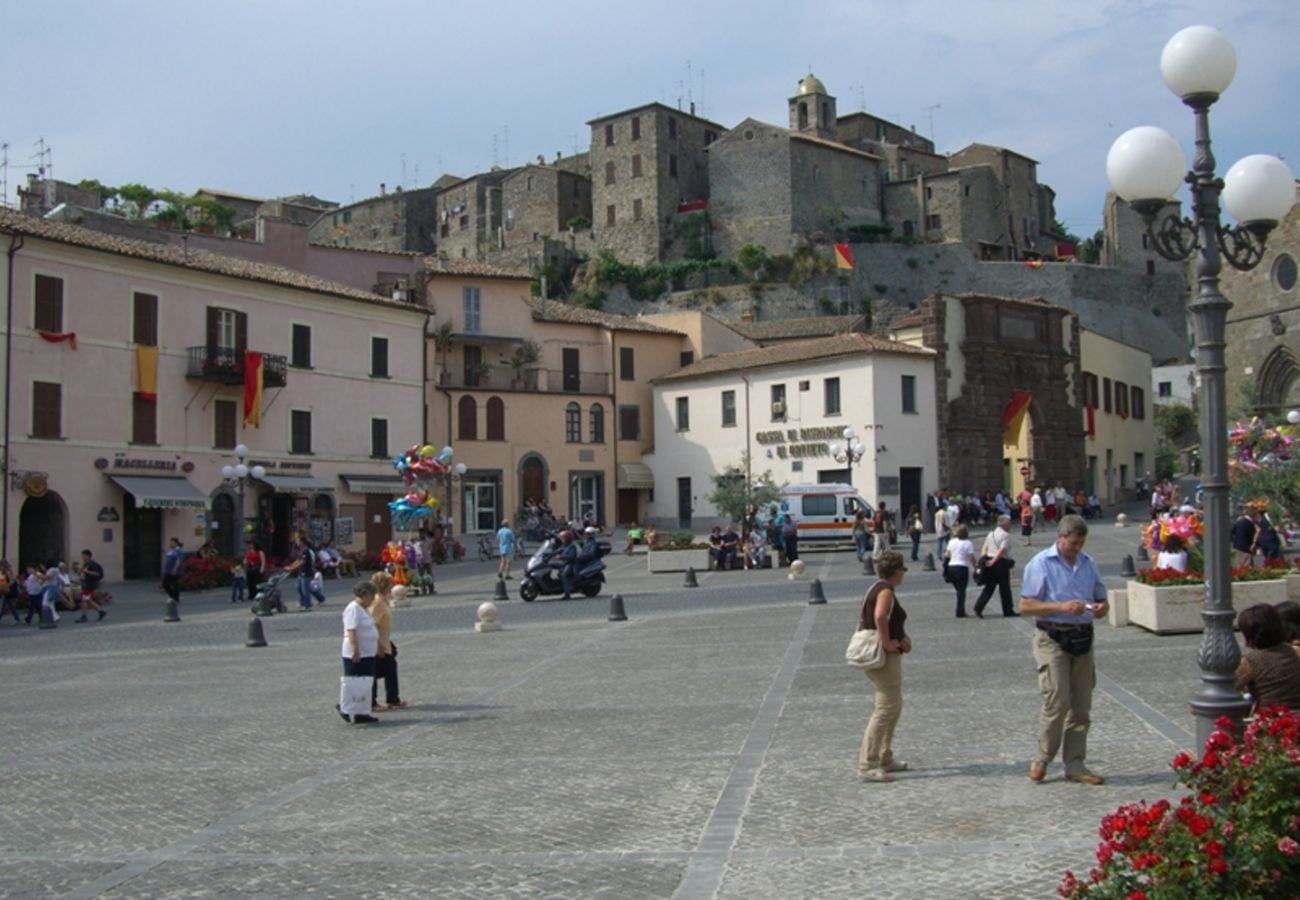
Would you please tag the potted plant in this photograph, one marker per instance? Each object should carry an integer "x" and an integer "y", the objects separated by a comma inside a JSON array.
[
  {"x": 680, "y": 553},
  {"x": 443, "y": 338},
  {"x": 526, "y": 354},
  {"x": 1166, "y": 601}
]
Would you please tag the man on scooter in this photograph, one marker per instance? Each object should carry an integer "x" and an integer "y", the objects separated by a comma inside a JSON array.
[{"x": 568, "y": 562}]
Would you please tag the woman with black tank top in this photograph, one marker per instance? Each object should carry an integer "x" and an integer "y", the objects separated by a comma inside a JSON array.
[{"x": 882, "y": 611}]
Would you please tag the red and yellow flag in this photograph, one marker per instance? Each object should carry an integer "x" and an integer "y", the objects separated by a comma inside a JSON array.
[
  {"x": 146, "y": 372},
  {"x": 252, "y": 389},
  {"x": 1013, "y": 417},
  {"x": 843, "y": 257}
]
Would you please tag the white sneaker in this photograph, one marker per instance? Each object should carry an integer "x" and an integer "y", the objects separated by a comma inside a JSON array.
[{"x": 897, "y": 765}]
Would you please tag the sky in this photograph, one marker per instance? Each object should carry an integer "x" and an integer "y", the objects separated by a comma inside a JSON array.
[{"x": 280, "y": 97}]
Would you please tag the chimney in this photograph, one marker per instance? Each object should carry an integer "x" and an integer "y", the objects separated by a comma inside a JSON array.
[
  {"x": 383, "y": 189},
  {"x": 541, "y": 160},
  {"x": 692, "y": 107}
]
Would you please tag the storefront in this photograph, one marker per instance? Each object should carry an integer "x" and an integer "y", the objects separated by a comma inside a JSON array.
[
  {"x": 297, "y": 503},
  {"x": 145, "y": 501}
]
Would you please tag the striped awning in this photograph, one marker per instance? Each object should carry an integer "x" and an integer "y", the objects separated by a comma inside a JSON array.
[
  {"x": 161, "y": 493},
  {"x": 636, "y": 476},
  {"x": 389, "y": 485}
]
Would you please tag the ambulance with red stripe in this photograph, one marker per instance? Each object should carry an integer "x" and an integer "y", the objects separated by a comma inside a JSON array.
[{"x": 823, "y": 512}]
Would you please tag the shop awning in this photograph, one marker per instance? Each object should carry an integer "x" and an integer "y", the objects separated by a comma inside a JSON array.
[
  {"x": 161, "y": 493},
  {"x": 390, "y": 485},
  {"x": 635, "y": 476},
  {"x": 297, "y": 484}
]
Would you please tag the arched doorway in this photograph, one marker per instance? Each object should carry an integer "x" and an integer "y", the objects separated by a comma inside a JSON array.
[
  {"x": 42, "y": 530},
  {"x": 1278, "y": 381},
  {"x": 532, "y": 479},
  {"x": 223, "y": 517}
]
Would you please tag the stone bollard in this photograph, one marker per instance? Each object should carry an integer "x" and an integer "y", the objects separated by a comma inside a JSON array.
[
  {"x": 47, "y": 618},
  {"x": 499, "y": 592},
  {"x": 1121, "y": 521},
  {"x": 816, "y": 596},
  {"x": 488, "y": 620},
  {"x": 256, "y": 637},
  {"x": 400, "y": 596},
  {"x": 1143, "y": 556},
  {"x": 616, "y": 613},
  {"x": 928, "y": 565},
  {"x": 173, "y": 611},
  {"x": 690, "y": 578},
  {"x": 1127, "y": 570},
  {"x": 868, "y": 565}
]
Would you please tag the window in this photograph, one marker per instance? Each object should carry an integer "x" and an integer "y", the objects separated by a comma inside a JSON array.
[
  {"x": 778, "y": 403},
  {"x": 466, "y": 419},
  {"x": 933, "y": 221},
  {"x": 528, "y": 183},
  {"x": 1105, "y": 394},
  {"x": 496, "y": 419},
  {"x": 48, "y": 312},
  {"x": 463, "y": 224},
  {"x": 609, "y": 172},
  {"x": 573, "y": 423},
  {"x": 1165, "y": 389},
  {"x": 626, "y": 367},
  {"x": 1151, "y": 267},
  {"x": 347, "y": 216},
  {"x": 144, "y": 419},
  {"x": 144, "y": 319},
  {"x": 225, "y": 423},
  {"x": 636, "y": 128},
  {"x": 672, "y": 165},
  {"x": 609, "y": 214},
  {"x": 301, "y": 351},
  {"x": 909, "y": 393},
  {"x": 636, "y": 210},
  {"x": 907, "y": 228},
  {"x": 672, "y": 127},
  {"x": 709, "y": 137},
  {"x": 227, "y": 332},
  {"x": 1090, "y": 390},
  {"x": 300, "y": 431},
  {"x": 597, "y": 422},
  {"x": 831, "y": 396},
  {"x": 683, "y": 413},
  {"x": 47, "y": 409},
  {"x": 1121, "y": 399},
  {"x": 636, "y": 165},
  {"x": 378, "y": 357},
  {"x": 379, "y": 438},
  {"x": 687, "y": 357},
  {"x": 929, "y": 193},
  {"x": 728, "y": 409},
  {"x": 1139, "y": 406},
  {"x": 629, "y": 423},
  {"x": 609, "y": 135},
  {"x": 471, "y": 302}
]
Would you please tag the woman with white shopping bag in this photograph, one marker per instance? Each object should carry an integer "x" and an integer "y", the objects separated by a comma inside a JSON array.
[
  {"x": 882, "y": 611},
  {"x": 360, "y": 646}
]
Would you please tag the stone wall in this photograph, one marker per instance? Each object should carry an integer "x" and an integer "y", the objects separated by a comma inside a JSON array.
[
  {"x": 396, "y": 222},
  {"x": 749, "y": 187},
  {"x": 829, "y": 186}
]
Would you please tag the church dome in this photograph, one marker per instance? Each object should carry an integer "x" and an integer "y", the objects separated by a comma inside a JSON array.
[{"x": 810, "y": 84}]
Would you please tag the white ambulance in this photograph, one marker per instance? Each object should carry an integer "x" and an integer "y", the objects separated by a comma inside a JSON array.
[{"x": 824, "y": 512}]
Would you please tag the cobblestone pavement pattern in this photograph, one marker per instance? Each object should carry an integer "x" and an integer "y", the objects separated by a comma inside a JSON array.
[{"x": 705, "y": 748}]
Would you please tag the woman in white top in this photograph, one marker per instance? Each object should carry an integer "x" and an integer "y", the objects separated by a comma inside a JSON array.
[
  {"x": 961, "y": 561},
  {"x": 360, "y": 641},
  {"x": 1172, "y": 555}
]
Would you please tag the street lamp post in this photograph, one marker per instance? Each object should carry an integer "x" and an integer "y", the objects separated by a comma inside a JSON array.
[
  {"x": 850, "y": 452},
  {"x": 1145, "y": 166},
  {"x": 237, "y": 477}
]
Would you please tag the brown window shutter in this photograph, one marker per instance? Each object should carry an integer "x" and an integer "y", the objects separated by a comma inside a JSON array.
[
  {"x": 213, "y": 332},
  {"x": 145, "y": 325},
  {"x": 241, "y": 334},
  {"x": 49, "y": 304},
  {"x": 47, "y": 409},
  {"x": 144, "y": 420}
]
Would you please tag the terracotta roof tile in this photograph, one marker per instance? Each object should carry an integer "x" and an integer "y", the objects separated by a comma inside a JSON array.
[
  {"x": 556, "y": 311},
  {"x": 788, "y": 329},
  {"x": 793, "y": 352},
  {"x": 470, "y": 268},
  {"x": 198, "y": 260}
]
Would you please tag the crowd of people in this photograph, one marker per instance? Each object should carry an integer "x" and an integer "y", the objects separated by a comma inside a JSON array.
[{"x": 42, "y": 590}]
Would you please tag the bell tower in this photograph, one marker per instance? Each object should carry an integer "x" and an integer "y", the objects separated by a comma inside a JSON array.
[{"x": 812, "y": 109}]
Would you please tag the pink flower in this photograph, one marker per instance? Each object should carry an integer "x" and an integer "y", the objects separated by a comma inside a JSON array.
[{"x": 1288, "y": 846}]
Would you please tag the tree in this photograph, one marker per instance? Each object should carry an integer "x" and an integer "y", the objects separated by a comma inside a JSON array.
[
  {"x": 1177, "y": 423},
  {"x": 1090, "y": 250},
  {"x": 733, "y": 495},
  {"x": 139, "y": 197}
]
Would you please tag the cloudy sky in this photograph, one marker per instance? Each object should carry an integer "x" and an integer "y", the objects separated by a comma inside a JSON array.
[{"x": 278, "y": 97}]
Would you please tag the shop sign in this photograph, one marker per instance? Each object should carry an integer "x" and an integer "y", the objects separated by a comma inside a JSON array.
[
  {"x": 800, "y": 443},
  {"x": 164, "y": 465}
]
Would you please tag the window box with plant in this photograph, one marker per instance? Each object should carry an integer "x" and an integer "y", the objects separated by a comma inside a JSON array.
[{"x": 680, "y": 553}]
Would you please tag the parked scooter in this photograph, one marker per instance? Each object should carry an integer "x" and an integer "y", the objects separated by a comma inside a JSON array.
[
  {"x": 542, "y": 574},
  {"x": 267, "y": 602}
]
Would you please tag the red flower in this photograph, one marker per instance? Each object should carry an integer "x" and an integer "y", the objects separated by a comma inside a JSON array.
[
  {"x": 1214, "y": 849},
  {"x": 1136, "y": 895},
  {"x": 1182, "y": 761},
  {"x": 1199, "y": 825},
  {"x": 1209, "y": 761},
  {"x": 1218, "y": 866},
  {"x": 1288, "y": 846}
]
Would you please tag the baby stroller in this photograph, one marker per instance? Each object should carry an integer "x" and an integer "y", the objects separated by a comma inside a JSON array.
[{"x": 267, "y": 602}]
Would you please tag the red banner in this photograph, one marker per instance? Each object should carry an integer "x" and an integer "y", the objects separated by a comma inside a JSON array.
[
  {"x": 252, "y": 389},
  {"x": 69, "y": 336},
  {"x": 843, "y": 257}
]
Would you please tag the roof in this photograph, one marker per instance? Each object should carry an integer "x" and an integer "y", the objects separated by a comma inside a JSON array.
[
  {"x": 470, "y": 268},
  {"x": 791, "y": 329},
  {"x": 664, "y": 107},
  {"x": 557, "y": 311},
  {"x": 197, "y": 260},
  {"x": 840, "y": 345},
  {"x": 832, "y": 145},
  {"x": 810, "y": 84},
  {"x": 213, "y": 192},
  {"x": 911, "y": 320}
]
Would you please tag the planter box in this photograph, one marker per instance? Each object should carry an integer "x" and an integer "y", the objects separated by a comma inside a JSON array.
[
  {"x": 678, "y": 560},
  {"x": 1293, "y": 588},
  {"x": 1177, "y": 610}
]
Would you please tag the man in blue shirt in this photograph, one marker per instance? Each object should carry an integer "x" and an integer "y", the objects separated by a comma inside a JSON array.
[
  {"x": 1063, "y": 590},
  {"x": 506, "y": 546},
  {"x": 173, "y": 566},
  {"x": 304, "y": 567}
]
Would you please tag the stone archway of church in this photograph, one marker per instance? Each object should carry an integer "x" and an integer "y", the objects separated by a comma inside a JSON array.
[
  {"x": 42, "y": 530},
  {"x": 1278, "y": 382}
]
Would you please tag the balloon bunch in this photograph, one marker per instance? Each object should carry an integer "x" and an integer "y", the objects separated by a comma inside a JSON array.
[{"x": 419, "y": 467}]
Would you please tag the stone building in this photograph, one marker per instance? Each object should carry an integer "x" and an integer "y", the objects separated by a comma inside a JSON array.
[
  {"x": 396, "y": 222},
  {"x": 1263, "y": 335},
  {"x": 1127, "y": 245},
  {"x": 650, "y": 180},
  {"x": 903, "y": 153},
  {"x": 539, "y": 202},
  {"x": 469, "y": 215}
]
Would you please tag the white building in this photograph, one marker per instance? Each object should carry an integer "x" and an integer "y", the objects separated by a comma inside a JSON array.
[
  {"x": 784, "y": 406},
  {"x": 1175, "y": 382}
]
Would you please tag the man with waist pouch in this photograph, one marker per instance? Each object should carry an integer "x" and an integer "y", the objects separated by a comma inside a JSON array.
[{"x": 1063, "y": 590}]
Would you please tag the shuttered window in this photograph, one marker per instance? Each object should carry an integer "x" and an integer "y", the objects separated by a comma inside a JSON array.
[
  {"x": 144, "y": 420},
  {"x": 144, "y": 319},
  {"x": 224, "y": 424},
  {"x": 47, "y": 409},
  {"x": 379, "y": 357},
  {"x": 300, "y": 431},
  {"x": 48, "y": 313}
]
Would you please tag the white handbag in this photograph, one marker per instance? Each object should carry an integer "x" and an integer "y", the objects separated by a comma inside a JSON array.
[
  {"x": 866, "y": 650},
  {"x": 354, "y": 694}
]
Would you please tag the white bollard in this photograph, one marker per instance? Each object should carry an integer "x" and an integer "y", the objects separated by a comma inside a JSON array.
[
  {"x": 1117, "y": 613},
  {"x": 1121, "y": 521},
  {"x": 488, "y": 618}
]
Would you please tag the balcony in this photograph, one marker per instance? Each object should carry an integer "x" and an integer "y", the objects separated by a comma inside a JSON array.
[
  {"x": 539, "y": 380},
  {"x": 226, "y": 366}
]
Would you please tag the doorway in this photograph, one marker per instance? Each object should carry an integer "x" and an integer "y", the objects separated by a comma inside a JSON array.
[
  {"x": 42, "y": 532},
  {"x": 223, "y": 521},
  {"x": 569, "y": 358},
  {"x": 909, "y": 490},
  {"x": 683, "y": 503},
  {"x": 141, "y": 541}
]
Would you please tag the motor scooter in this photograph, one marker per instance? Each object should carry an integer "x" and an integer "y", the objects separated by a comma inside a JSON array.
[{"x": 542, "y": 574}]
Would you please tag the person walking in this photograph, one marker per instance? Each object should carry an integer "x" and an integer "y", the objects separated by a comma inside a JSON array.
[
  {"x": 304, "y": 568},
  {"x": 386, "y": 657},
  {"x": 1036, "y": 506},
  {"x": 790, "y": 537},
  {"x": 9, "y": 590},
  {"x": 360, "y": 643},
  {"x": 882, "y": 611},
  {"x": 92, "y": 576},
  {"x": 1064, "y": 590},
  {"x": 860, "y": 534},
  {"x": 942, "y": 530},
  {"x": 506, "y": 546},
  {"x": 915, "y": 528},
  {"x": 961, "y": 562},
  {"x": 173, "y": 568},
  {"x": 996, "y": 553},
  {"x": 879, "y": 531},
  {"x": 255, "y": 566}
]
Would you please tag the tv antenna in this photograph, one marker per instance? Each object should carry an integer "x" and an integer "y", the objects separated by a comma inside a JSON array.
[{"x": 929, "y": 110}]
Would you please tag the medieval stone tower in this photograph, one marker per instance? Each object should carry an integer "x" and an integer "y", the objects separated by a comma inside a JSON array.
[{"x": 812, "y": 109}]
